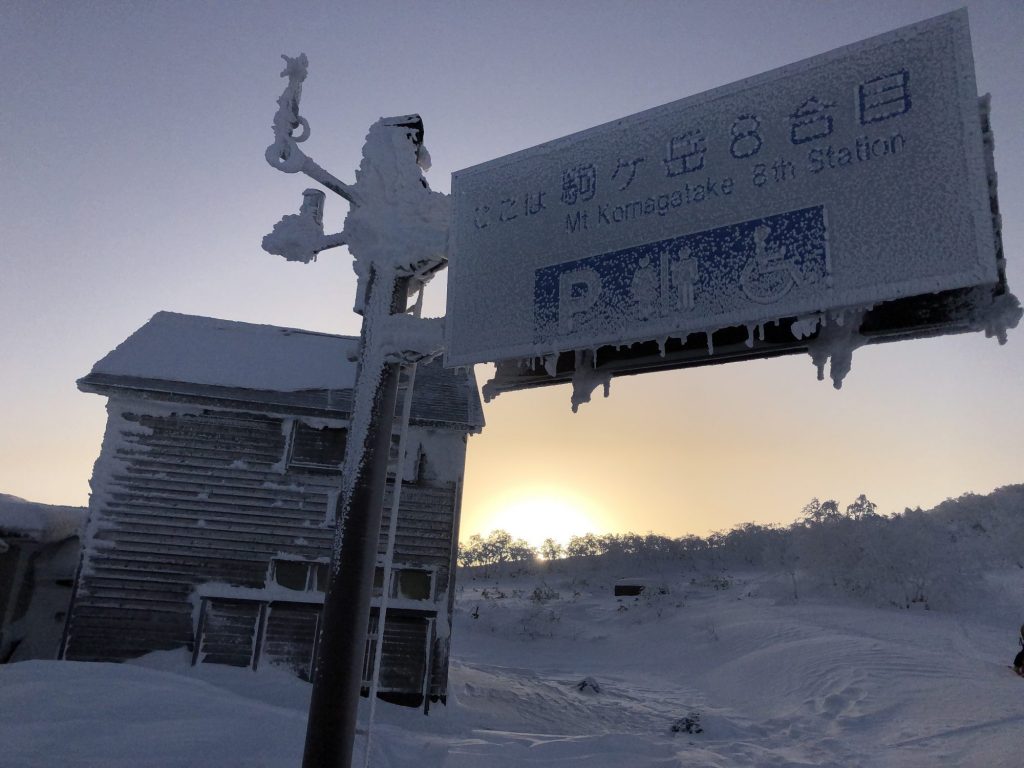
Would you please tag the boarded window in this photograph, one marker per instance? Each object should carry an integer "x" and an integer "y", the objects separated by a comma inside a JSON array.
[
  {"x": 312, "y": 447},
  {"x": 290, "y": 637},
  {"x": 404, "y": 663},
  {"x": 228, "y": 632}
]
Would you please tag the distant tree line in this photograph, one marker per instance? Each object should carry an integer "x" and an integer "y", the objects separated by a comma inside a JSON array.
[
  {"x": 498, "y": 547},
  {"x": 900, "y": 559}
]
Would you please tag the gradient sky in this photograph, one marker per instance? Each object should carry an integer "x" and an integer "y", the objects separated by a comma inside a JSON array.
[{"x": 132, "y": 180}]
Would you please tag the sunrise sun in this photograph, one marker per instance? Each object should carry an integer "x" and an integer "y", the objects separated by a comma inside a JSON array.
[{"x": 539, "y": 514}]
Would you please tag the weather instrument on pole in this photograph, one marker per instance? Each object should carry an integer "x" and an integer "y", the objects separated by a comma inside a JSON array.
[{"x": 396, "y": 230}]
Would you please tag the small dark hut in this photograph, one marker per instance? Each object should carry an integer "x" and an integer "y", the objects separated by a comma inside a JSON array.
[
  {"x": 211, "y": 517},
  {"x": 39, "y": 546}
]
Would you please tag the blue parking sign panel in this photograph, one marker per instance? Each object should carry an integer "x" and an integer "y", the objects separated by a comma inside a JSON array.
[{"x": 704, "y": 273}]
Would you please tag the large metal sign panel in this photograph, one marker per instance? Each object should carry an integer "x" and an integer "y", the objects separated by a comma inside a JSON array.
[{"x": 846, "y": 180}]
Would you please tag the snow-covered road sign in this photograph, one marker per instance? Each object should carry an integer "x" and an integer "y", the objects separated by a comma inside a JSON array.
[{"x": 844, "y": 181}]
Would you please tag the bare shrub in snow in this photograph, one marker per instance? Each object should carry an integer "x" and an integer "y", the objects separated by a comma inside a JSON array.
[
  {"x": 688, "y": 724},
  {"x": 543, "y": 594}
]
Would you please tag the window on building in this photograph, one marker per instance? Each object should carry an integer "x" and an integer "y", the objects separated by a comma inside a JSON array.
[
  {"x": 412, "y": 584},
  {"x": 410, "y": 465},
  {"x": 301, "y": 575},
  {"x": 317, "y": 447},
  {"x": 320, "y": 575},
  {"x": 393, "y": 450},
  {"x": 406, "y": 583}
]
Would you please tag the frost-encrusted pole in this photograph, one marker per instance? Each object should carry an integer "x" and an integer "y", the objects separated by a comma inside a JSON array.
[{"x": 396, "y": 230}]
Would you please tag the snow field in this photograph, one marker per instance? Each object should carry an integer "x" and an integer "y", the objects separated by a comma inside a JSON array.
[
  {"x": 773, "y": 683},
  {"x": 776, "y": 684}
]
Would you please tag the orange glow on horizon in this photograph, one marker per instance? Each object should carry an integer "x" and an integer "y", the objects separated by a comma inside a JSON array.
[{"x": 540, "y": 513}]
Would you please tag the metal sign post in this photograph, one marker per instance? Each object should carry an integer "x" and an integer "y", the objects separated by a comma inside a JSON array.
[
  {"x": 337, "y": 679},
  {"x": 396, "y": 230}
]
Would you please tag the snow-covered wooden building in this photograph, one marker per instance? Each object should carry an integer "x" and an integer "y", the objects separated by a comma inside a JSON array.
[
  {"x": 212, "y": 510},
  {"x": 38, "y": 554}
]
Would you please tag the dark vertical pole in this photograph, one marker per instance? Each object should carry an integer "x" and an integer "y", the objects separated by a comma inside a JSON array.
[
  {"x": 261, "y": 631},
  {"x": 197, "y": 644},
  {"x": 334, "y": 705}
]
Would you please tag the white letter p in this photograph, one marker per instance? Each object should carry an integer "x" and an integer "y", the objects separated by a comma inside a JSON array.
[{"x": 577, "y": 292}]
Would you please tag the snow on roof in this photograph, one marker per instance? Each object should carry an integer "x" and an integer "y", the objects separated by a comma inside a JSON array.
[
  {"x": 39, "y": 522},
  {"x": 205, "y": 350}
]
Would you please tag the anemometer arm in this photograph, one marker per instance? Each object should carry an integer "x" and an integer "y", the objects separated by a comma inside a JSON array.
[{"x": 284, "y": 154}]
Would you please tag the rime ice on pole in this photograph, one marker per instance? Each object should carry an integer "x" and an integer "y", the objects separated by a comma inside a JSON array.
[{"x": 397, "y": 232}]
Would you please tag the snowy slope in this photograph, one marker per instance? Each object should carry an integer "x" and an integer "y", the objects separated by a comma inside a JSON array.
[
  {"x": 805, "y": 683},
  {"x": 775, "y": 684}
]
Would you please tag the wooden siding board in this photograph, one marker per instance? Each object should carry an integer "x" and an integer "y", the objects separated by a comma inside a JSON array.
[
  {"x": 271, "y": 516},
  {"x": 224, "y": 528},
  {"x": 144, "y": 544},
  {"x": 108, "y": 585},
  {"x": 224, "y": 494},
  {"x": 303, "y": 515},
  {"x": 212, "y": 536},
  {"x": 189, "y": 560},
  {"x": 137, "y": 615}
]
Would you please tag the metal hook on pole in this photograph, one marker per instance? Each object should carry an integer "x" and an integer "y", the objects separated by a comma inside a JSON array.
[{"x": 284, "y": 153}]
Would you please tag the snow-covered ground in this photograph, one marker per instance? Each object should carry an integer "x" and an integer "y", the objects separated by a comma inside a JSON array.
[{"x": 767, "y": 681}]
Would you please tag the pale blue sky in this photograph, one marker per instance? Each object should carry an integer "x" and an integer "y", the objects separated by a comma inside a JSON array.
[{"x": 132, "y": 180}]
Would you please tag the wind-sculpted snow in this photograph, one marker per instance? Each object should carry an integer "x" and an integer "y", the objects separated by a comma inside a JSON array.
[{"x": 810, "y": 683}]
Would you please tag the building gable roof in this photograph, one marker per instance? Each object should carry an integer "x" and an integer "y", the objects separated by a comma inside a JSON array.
[
  {"x": 225, "y": 353},
  {"x": 207, "y": 360}
]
